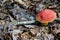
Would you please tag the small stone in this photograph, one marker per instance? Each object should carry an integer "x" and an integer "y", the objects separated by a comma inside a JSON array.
[
  {"x": 25, "y": 35},
  {"x": 34, "y": 31},
  {"x": 2, "y": 22}
]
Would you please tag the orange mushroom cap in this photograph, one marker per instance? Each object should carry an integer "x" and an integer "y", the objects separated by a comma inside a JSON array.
[{"x": 46, "y": 16}]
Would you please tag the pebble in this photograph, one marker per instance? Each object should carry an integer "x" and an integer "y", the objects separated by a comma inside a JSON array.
[
  {"x": 34, "y": 31},
  {"x": 25, "y": 35}
]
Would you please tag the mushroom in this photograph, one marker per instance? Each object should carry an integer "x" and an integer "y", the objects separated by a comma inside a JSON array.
[{"x": 45, "y": 16}]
